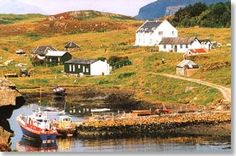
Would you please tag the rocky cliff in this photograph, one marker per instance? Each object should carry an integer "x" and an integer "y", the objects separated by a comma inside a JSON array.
[
  {"x": 161, "y": 7},
  {"x": 10, "y": 99}
]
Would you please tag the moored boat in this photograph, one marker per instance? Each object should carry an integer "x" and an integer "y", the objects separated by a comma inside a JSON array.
[
  {"x": 65, "y": 126},
  {"x": 38, "y": 127},
  {"x": 59, "y": 91}
]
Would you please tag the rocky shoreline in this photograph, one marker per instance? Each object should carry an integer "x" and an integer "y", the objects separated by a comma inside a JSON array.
[
  {"x": 10, "y": 99},
  {"x": 166, "y": 125}
]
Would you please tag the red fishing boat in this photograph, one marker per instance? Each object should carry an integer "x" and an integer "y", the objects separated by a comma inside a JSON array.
[{"x": 37, "y": 127}]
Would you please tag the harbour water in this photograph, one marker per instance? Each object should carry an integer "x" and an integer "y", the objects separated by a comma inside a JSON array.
[{"x": 133, "y": 144}]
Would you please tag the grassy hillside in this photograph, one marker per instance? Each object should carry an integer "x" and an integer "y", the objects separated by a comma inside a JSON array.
[{"x": 139, "y": 77}]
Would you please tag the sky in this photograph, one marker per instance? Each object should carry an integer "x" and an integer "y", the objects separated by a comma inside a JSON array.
[{"x": 125, "y": 7}]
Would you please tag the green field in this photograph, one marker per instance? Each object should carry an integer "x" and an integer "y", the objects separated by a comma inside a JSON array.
[{"x": 116, "y": 39}]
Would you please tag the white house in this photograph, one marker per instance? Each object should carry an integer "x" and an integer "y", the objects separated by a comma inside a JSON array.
[
  {"x": 206, "y": 44},
  {"x": 152, "y": 32},
  {"x": 87, "y": 67},
  {"x": 179, "y": 44}
]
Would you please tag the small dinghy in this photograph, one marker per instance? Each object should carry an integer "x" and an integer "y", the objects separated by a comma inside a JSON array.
[{"x": 59, "y": 91}]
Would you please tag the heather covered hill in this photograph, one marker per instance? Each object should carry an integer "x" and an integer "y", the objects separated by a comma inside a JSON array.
[{"x": 67, "y": 23}]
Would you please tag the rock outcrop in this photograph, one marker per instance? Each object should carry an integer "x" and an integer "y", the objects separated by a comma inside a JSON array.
[{"x": 10, "y": 99}]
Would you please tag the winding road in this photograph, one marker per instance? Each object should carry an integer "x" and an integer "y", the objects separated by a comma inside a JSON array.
[{"x": 226, "y": 92}]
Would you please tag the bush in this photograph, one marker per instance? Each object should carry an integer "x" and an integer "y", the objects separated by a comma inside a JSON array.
[
  {"x": 33, "y": 36},
  {"x": 118, "y": 62},
  {"x": 103, "y": 82},
  {"x": 37, "y": 62},
  {"x": 125, "y": 75},
  {"x": 5, "y": 49},
  {"x": 101, "y": 58}
]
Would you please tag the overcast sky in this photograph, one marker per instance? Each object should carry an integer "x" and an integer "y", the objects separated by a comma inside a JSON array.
[{"x": 126, "y": 7}]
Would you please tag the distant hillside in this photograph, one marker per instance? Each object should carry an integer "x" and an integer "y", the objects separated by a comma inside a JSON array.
[
  {"x": 67, "y": 23},
  {"x": 162, "y": 7},
  {"x": 199, "y": 14},
  {"x": 11, "y": 18},
  {"x": 83, "y": 21}
]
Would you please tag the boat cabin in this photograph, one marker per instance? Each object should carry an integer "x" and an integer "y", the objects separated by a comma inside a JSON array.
[{"x": 65, "y": 118}]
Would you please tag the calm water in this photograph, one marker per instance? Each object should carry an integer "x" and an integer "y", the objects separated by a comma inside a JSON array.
[{"x": 170, "y": 145}]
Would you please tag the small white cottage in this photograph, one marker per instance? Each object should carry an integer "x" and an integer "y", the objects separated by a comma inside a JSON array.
[
  {"x": 179, "y": 44},
  {"x": 152, "y": 32}
]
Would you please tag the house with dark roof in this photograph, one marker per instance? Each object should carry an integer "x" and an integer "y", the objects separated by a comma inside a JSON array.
[
  {"x": 57, "y": 57},
  {"x": 71, "y": 46},
  {"x": 42, "y": 50},
  {"x": 152, "y": 32},
  {"x": 179, "y": 44},
  {"x": 87, "y": 67},
  {"x": 186, "y": 68},
  {"x": 206, "y": 44}
]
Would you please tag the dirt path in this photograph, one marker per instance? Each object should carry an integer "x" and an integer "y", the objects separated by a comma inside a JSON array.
[{"x": 224, "y": 90}]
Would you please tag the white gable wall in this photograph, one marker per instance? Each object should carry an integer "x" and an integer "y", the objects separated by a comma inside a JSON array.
[
  {"x": 167, "y": 29},
  {"x": 152, "y": 39},
  {"x": 99, "y": 68}
]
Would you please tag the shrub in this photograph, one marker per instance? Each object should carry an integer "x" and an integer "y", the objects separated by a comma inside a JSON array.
[
  {"x": 125, "y": 75},
  {"x": 5, "y": 49},
  {"x": 33, "y": 36},
  {"x": 101, "y": 58}
]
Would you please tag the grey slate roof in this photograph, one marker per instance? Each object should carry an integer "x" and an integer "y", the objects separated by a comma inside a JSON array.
[
  {"x": 81, "y": 61},
  {"x": 71, "y": 44},
  {"x": 149, "y": 26},
  {"x": 177, "y": 40},
  {"x": 205, "y": 41},
  {"x": 188, "y": 63},
  {"x": 42, "y": 50}
]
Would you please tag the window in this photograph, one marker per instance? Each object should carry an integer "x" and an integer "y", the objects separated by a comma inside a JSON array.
[
  {"x": 70, "y": 68},
  {"x": 50, "y": 60},
  {"x": 87, "y": 70},
  {"x": 83, "y": 68},
  {"x": 73, "y": 68},
  {"x": 181, "y": 46},
  {"x": 186, "y": 46},
  {"x": 79, "y": 66},
  {"x": 160, "y": 32},
  {"x": 173, "y": 33},
  {"x": 164, "y": 46}
]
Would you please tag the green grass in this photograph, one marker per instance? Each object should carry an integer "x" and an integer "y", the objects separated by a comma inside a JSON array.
[
  {"x": 139, "y": 77},
  {"x": 11, "y": 18}
]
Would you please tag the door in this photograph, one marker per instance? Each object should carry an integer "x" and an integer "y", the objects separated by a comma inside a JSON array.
[{"x": 175, "y": 49}]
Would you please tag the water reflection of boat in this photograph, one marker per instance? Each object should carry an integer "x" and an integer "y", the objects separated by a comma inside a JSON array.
[
  {"x": 97, "y": 110},
  {"x": 30, "y": 146},
  {"x": 38, "y": 127}
]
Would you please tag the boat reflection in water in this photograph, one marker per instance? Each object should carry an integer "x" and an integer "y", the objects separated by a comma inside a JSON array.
[{"x": 31, "y": 146}]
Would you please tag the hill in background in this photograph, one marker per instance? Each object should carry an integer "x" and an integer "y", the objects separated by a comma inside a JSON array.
[{"x": 162, "y": 7}]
